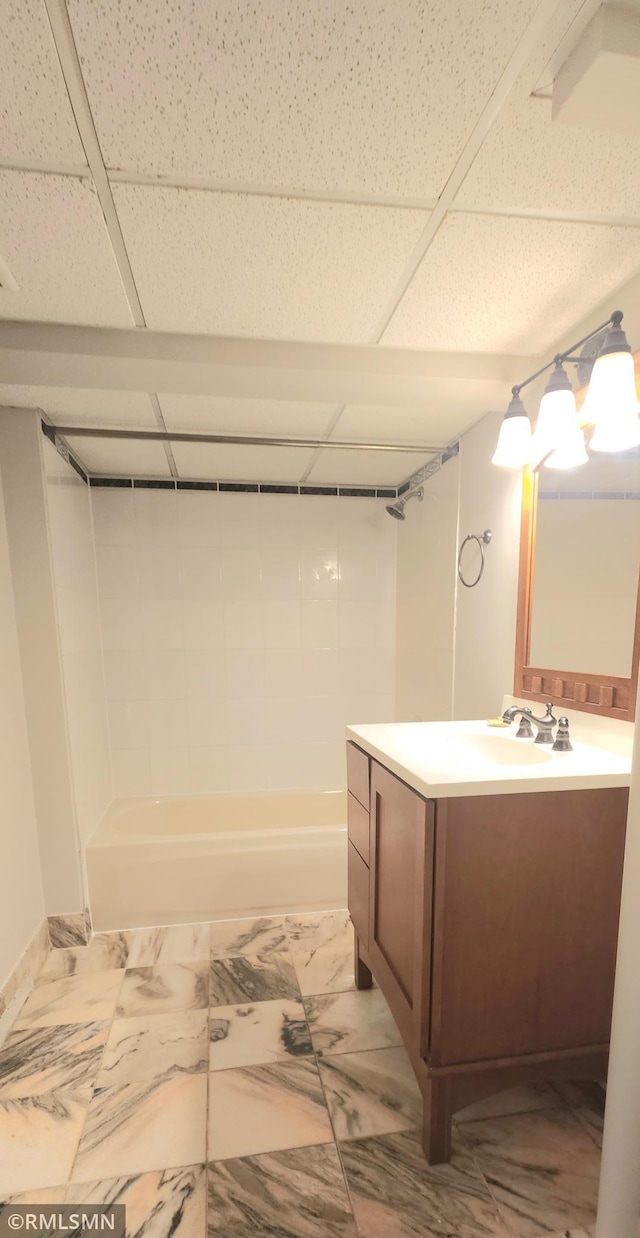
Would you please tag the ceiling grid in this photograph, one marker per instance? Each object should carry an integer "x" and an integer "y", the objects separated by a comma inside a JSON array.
[{"x": 229, "y": 218}]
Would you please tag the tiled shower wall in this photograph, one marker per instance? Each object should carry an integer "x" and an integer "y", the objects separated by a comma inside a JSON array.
[
  {"x": 76, "y": 595},
  {"x": 241, "y": 633}
]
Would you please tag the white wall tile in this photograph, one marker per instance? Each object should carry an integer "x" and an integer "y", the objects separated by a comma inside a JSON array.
[
  {"x": 243, "y": 625},
  {"x": 128, "y": 724},
  {"x": 244, "y": 673},
  {"x": 167, "y": 724},
  {"x": 205, "y": 671},
  {"x": 207, "y": 723},
  {"x": 319, "y": 624},
  {"x": 131, "y": 771},
  {"x": 170, "y": 773},
  {"x": 203, "y": 624},
  {"x": 165, "y": 674},
  {"x": 79, "y": 630},
  {"x": 200, "y": 572},
  {"x": 319, "y": 573},
  {"x": 250, "y": 673},
  {"x": 163, "y": 625},
  {"x": 122, "y": 623},
  {"x": 282, "y": 624}
]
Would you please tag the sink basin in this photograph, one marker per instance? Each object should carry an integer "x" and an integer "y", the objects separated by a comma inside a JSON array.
[{"x": 501, "y": 749}]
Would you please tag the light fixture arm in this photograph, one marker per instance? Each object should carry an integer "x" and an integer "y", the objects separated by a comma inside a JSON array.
[{"x": 613, "y": 321}]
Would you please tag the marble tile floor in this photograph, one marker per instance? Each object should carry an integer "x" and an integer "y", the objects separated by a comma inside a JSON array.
[{"x": 227, "y": 1080}]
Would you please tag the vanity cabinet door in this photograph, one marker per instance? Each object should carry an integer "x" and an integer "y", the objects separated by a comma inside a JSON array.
[{"x": 401, "y": 877}]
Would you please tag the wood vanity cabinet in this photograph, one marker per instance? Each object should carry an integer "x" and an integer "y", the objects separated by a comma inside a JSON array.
[{"x": 490, "y": 923}]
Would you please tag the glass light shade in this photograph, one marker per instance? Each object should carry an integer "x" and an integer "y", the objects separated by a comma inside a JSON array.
[
  {"x": 558, "y": 441},
  {"x": 513, "y": 449},
  {"x": 611, "y": 403}
]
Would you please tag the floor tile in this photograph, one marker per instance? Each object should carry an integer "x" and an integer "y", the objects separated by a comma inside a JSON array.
[
  {"x": 38, "y": 1138},
  {"x": 318, "y": 930},
  {"x": 44, "y": 1059},
  {"x": 104, "y": 953},
  {"x": 167, "y": 1203},
  {"x": 587, "y": 1101},
  {"x": 179, "y": 943},
  {"x": 395, "y": 1194},
  {"x": 158, "y": 1124},
  {"x": 163, "y": 990},
  {"x": 299, "y": 1193},
  {"x": 258, "y": 1033},
  {"x": 371, "y": 1093},
  {"x": 349, "y": 1022},
  {"x": 512, "y": 1100},
  {"x": 46, "y": 1195},
  {"x": 265, "y": 1109},
  {"x": 154, "y": 1046},
  {"x": 253, "y": 978},
  {"x": 543, "y": 1169},
  {"x": 88, "y": 998},
  {"x": 327, "y": 970},
  {"x": 264, "y": 936}
]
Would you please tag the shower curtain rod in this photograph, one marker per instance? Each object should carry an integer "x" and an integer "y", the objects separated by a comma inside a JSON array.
[{"x": 169, "y": 436}]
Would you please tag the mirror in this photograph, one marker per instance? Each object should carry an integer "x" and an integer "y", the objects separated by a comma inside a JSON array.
[{"x": 577, "y": 640}]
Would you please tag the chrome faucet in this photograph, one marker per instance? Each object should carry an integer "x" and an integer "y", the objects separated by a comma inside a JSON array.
[{"x": 544, "y": 725}]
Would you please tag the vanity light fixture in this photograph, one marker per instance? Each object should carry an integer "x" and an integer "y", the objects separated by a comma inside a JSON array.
[{"x": 611, "y": 407}]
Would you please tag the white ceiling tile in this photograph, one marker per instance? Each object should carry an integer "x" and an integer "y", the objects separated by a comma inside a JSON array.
[
  {"x": 530, "y": 162},
  {"x": 214, "y": 415},
  {"x": 510, "y": 285},
  {"x": 55, "y": 242},
  {"x": 226, "y": 462},
  {"x": 36, "y": 120},
  {"x": 366, "y": 96},
  {"x": 82, "y": 406},
  {"x": 364, "y": 468},
  {"x": 450, "y": 407},
  {"x": 113, "y": 457},
  {"x": 267, "y": 267}
]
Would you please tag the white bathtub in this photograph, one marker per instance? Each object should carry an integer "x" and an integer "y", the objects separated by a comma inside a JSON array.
[{"x": 181, "y": 860}]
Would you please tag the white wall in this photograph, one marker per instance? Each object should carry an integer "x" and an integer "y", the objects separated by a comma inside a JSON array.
[
  {"x": 21, "y": 465},
  {"x": 490, "y": 498},
  {"x": 241, "y": 632},
  {"x": 425, "y": 600},
  {"x": 76, "y": 594},
  {"x": 22, "y": 904}
]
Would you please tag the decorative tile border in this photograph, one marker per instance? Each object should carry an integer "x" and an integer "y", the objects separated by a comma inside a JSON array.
[
  {"x": 20, "y": 982},
  {"x": 72, "y": 930}
]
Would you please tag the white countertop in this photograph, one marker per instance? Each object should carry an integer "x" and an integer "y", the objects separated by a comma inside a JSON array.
[{"x": 446, "y": 759}]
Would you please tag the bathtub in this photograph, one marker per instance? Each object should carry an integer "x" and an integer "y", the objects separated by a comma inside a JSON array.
[{"x": 181, "y": 860}]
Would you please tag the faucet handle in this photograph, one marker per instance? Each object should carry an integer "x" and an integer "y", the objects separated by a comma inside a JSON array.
[{"x": 562, "y": 742}]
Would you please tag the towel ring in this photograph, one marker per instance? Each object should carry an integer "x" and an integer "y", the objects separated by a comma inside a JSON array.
[{"x": 483, "y": 540}]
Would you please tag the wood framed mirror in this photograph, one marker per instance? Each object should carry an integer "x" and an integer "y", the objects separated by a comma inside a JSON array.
[{"x": 578, "y": 620}]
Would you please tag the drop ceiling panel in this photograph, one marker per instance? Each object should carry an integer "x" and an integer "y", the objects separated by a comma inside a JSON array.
[
  {"x": 213, "y": 415},
  {"x": 121, "y": 457},
  {"x": 510, "y": 285},
  {"x": 80, "y": 406},
  {"x": 277, "y": 267},
  {"x": 450, "y": 407},
  {"x": 281, "y": 94},
  {"x": 54, "y": 240},
  {"x": 530, "y": 162},
  {"x": 36, "y": 120},
  {"x": 226, "y": 462},
  {"x": 364, "y": 468}
]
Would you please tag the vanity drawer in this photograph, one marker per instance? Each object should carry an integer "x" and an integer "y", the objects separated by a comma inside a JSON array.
[
  {"x": 358, "y": 774},
  {"x": 358, "y": 826},
  {"x": 359, "y": 895}
]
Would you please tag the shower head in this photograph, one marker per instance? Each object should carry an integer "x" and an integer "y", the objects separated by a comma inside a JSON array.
[{"x": 397, "y": 509}]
